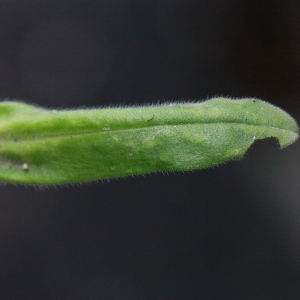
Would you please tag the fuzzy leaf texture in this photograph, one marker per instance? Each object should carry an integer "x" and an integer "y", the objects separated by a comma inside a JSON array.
[{"x": 40, "y": 146}]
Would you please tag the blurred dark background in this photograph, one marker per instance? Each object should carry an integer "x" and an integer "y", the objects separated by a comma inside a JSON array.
[{"x": 231, "y": 232}]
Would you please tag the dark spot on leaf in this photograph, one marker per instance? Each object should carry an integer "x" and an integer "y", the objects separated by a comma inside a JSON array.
[{"x": 150, "y": 119}]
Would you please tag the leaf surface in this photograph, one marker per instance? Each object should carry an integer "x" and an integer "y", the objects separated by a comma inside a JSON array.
[{"x": 40, "y": 146}]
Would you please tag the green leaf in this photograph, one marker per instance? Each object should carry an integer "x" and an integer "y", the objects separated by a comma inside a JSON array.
[{"x": 41, "y": 146}]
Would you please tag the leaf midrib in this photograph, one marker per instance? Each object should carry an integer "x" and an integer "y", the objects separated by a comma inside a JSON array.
[{"x": 28, "y": 137}]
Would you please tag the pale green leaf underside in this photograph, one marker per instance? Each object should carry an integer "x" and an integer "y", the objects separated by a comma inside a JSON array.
[{"x": 41, "y": 146}]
